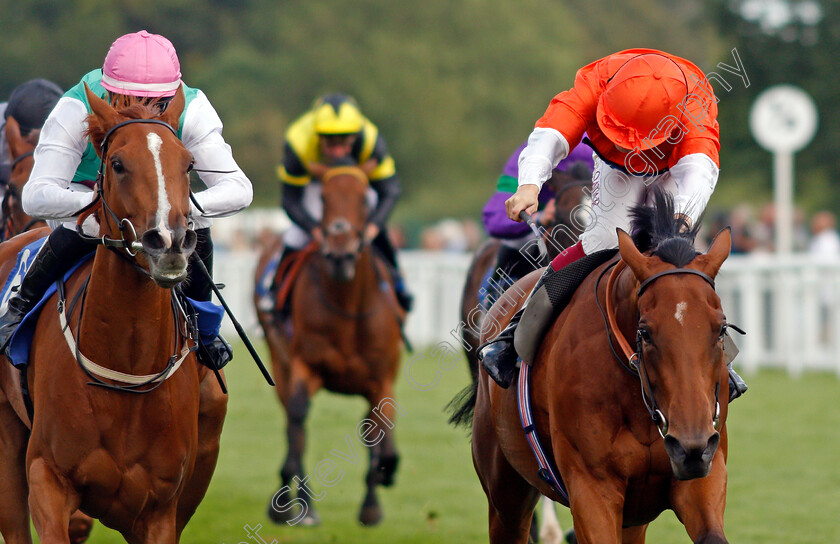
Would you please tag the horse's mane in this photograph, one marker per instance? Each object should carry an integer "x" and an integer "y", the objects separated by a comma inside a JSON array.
[
  {"x": 132, "y": 110},
  {"x": 656, "y": 230}
]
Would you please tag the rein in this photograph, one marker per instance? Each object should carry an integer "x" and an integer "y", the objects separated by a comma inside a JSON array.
[
  {"x": 21, "y": 157},
  {"x": 634, "y": 359}
]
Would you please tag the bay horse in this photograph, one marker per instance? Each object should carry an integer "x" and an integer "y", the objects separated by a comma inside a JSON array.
[
  {"x": 346, "y": 338},
  {"x": 21, "y": 151},
  {"x": 125, "y": 426},
  {"x": 632, "y": 431}
]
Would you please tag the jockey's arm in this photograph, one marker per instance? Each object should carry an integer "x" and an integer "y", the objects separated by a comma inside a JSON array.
[
  {"x": 388, "y": 192},
  {"x": 49, "y": 193},
  {"x": 546, "y": 148},
  {"x": 228, "y": 188},
  {"x": 293, "y": 206},
  {"x": 695, "y": 176}
]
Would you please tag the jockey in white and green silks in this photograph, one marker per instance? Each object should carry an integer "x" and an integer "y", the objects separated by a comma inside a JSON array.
[{"x": 138, "y": 67}]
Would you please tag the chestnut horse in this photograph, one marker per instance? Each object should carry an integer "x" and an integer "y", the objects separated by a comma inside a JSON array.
[
  {"x": 21, "y": 150},
  {"x": 346, "y": 338},
  {"x": 16, "y": 221},
  {"x": 140, "y": 463},
  {"x": 629, "y": 435}
]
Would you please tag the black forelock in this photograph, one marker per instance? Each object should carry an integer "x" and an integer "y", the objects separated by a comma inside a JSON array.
[{"x": 656, "y": 230}]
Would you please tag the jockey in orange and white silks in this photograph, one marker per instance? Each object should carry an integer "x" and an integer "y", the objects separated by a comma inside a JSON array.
[
  {"x": 651, "y": 118},
  {"x": 140, "y": 67}
]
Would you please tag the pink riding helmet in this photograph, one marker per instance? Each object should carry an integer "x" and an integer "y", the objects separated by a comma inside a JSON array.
[{"x": 142, "y": 64}]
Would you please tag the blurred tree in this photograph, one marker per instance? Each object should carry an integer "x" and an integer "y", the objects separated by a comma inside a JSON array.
[
  {"x": 454, "y": 86},
  {"x": 781, "y": 41}
]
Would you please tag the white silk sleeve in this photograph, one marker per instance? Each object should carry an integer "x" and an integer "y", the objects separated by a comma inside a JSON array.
[
  {"x": 228, "y": 188},
  {"x": 695, "y": 176},
  {"x": 49, "y": 194},
  {"x": 546, "y": 148}
]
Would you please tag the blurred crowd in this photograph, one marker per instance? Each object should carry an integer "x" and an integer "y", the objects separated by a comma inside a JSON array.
[{"x": 753, "y": 230}]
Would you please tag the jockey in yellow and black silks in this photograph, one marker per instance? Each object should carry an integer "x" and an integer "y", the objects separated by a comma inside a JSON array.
[{"x": 333, "y": 133}]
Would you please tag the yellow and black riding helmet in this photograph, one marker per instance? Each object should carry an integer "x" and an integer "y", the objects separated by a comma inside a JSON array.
[{"x": 337, "y": 114}]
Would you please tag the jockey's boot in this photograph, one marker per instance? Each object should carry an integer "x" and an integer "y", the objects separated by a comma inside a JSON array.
[
  {"x": 41, "y": 273},
  {"x": 216, "y": 354},
  {"x": 737, "y": 385},
  {"x": 404, "y": 296},
  {"x": 499, "y": 356}
]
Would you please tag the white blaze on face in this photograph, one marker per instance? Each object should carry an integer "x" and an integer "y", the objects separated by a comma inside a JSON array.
[
  {"x": 679, "y": 315},
  {"x": 164, "y": 207}
]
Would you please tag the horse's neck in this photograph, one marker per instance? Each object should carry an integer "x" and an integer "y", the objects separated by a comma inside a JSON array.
[
  {"x": 625, "y": 304},
  {"x": 127, "y": 321},
  {"x": 356, "y": 293}
]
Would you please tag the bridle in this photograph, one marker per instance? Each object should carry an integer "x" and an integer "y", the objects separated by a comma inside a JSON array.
[
  {"x": 633, "y": 360},
  {"x": 10, "y": 228},
  {"x": 133, "y": 246},
  {"x": 185, "y": 322}
]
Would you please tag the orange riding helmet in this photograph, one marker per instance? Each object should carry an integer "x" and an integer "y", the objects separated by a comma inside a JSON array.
[{"x": 644, "y": 90}]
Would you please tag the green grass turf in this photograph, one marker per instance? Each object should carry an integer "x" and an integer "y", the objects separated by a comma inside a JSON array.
[{"x": 784, "y": 473}]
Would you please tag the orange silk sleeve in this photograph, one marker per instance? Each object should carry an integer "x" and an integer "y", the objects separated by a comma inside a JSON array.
[{"x": 572, "y": 111}]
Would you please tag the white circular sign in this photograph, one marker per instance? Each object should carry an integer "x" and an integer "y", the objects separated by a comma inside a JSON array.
[{"x": 783, "y": 119}]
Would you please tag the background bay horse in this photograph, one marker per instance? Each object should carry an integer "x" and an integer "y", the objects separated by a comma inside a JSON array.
[
  {"x": 140, "y": 463},
  {"x": 346, "y": 338},
  {"x": 21, "y": 151},
  {"x": 588, "y": 406}
]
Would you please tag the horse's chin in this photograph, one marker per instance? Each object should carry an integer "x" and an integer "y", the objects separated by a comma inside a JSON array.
[
  {"x": 692, "y": 472},
  {"x": 168, "y": 281}
]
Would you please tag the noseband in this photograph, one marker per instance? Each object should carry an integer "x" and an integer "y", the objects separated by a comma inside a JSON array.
[
  {"x": 635, "y": 363},
  {"x": 133, "y": 246}
]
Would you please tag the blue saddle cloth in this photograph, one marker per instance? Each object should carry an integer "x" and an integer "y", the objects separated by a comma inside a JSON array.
[
  {"x": 209, "y": 314},
  {"x": 263, "y": 285}
]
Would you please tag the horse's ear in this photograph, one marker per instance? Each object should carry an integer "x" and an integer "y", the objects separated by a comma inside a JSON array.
[
  {"x": 637, "y": 262},
  {"x": 13, "y": 136},
  {"x": 107, "y": 116},
  {"x": 712, "y": 260},
  {"x": 176, "y": 107}
]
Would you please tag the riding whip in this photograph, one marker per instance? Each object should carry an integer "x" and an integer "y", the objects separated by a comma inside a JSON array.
[{"x": 236, "y": 324}]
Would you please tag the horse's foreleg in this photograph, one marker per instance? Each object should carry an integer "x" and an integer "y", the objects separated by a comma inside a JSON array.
[
  {"x": 377, "y": 431},
  {"x": 303, "y": 385},
  {"x": 596, "y": 506},
  {"x": 51, "y": 501},
  {"x": 700, "y": 503},
  {"x": 634, "y": 535},
  {"x": 211, "y": 416},
  {"x": 14, "y": 511}
]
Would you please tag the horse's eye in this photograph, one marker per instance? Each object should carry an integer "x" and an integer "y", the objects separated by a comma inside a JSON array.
[
  {"x": 190, "y": 167},
  {"x": 644, "y": 334},
  {"x": 722, "y": 332},
  {"x": 117, "y": 166}
]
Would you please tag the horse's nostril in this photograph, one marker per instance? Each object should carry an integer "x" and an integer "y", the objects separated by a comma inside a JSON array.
[
  {"x": 190, "y": 240},
  {"x": 153, "y": 241}
]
